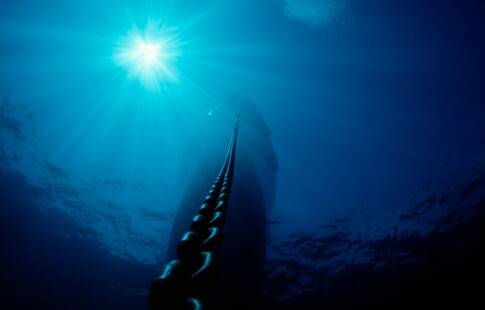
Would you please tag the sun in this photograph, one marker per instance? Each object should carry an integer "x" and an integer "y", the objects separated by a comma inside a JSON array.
[{"x": 149, "y": 55}]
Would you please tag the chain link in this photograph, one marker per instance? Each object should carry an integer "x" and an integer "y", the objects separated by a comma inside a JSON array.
[{"x": 184, "y": 281}]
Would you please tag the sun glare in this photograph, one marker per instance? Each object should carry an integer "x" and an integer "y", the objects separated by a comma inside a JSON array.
[{"x": 149, "y": 55}]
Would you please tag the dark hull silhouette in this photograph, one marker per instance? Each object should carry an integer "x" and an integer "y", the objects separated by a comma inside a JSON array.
[{"x": 242, "y": 254}]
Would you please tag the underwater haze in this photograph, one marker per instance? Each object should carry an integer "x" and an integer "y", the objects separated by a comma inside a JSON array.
[{"x": 375, "y": 110}]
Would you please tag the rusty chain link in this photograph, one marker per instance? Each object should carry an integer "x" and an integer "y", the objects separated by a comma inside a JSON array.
[{"x": 184, "y": 281}]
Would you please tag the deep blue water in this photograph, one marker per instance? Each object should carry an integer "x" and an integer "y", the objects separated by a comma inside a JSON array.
[{"x": 376, "y": 110}]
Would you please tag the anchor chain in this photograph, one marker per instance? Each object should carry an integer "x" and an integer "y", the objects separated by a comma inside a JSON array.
[{"x": 184, "y": 281}]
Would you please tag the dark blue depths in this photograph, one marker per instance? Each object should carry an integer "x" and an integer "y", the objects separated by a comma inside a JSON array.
[{"x": 433, "y": 259}]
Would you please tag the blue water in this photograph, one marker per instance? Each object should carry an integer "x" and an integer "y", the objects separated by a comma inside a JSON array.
[{"x": 376, "y": 110}]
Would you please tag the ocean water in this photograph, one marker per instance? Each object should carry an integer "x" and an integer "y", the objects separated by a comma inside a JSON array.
[{"x": 375, "y": 111}]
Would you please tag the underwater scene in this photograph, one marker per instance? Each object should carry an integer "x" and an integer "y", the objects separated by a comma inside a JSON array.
[{"x": 216, "y": 154}]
